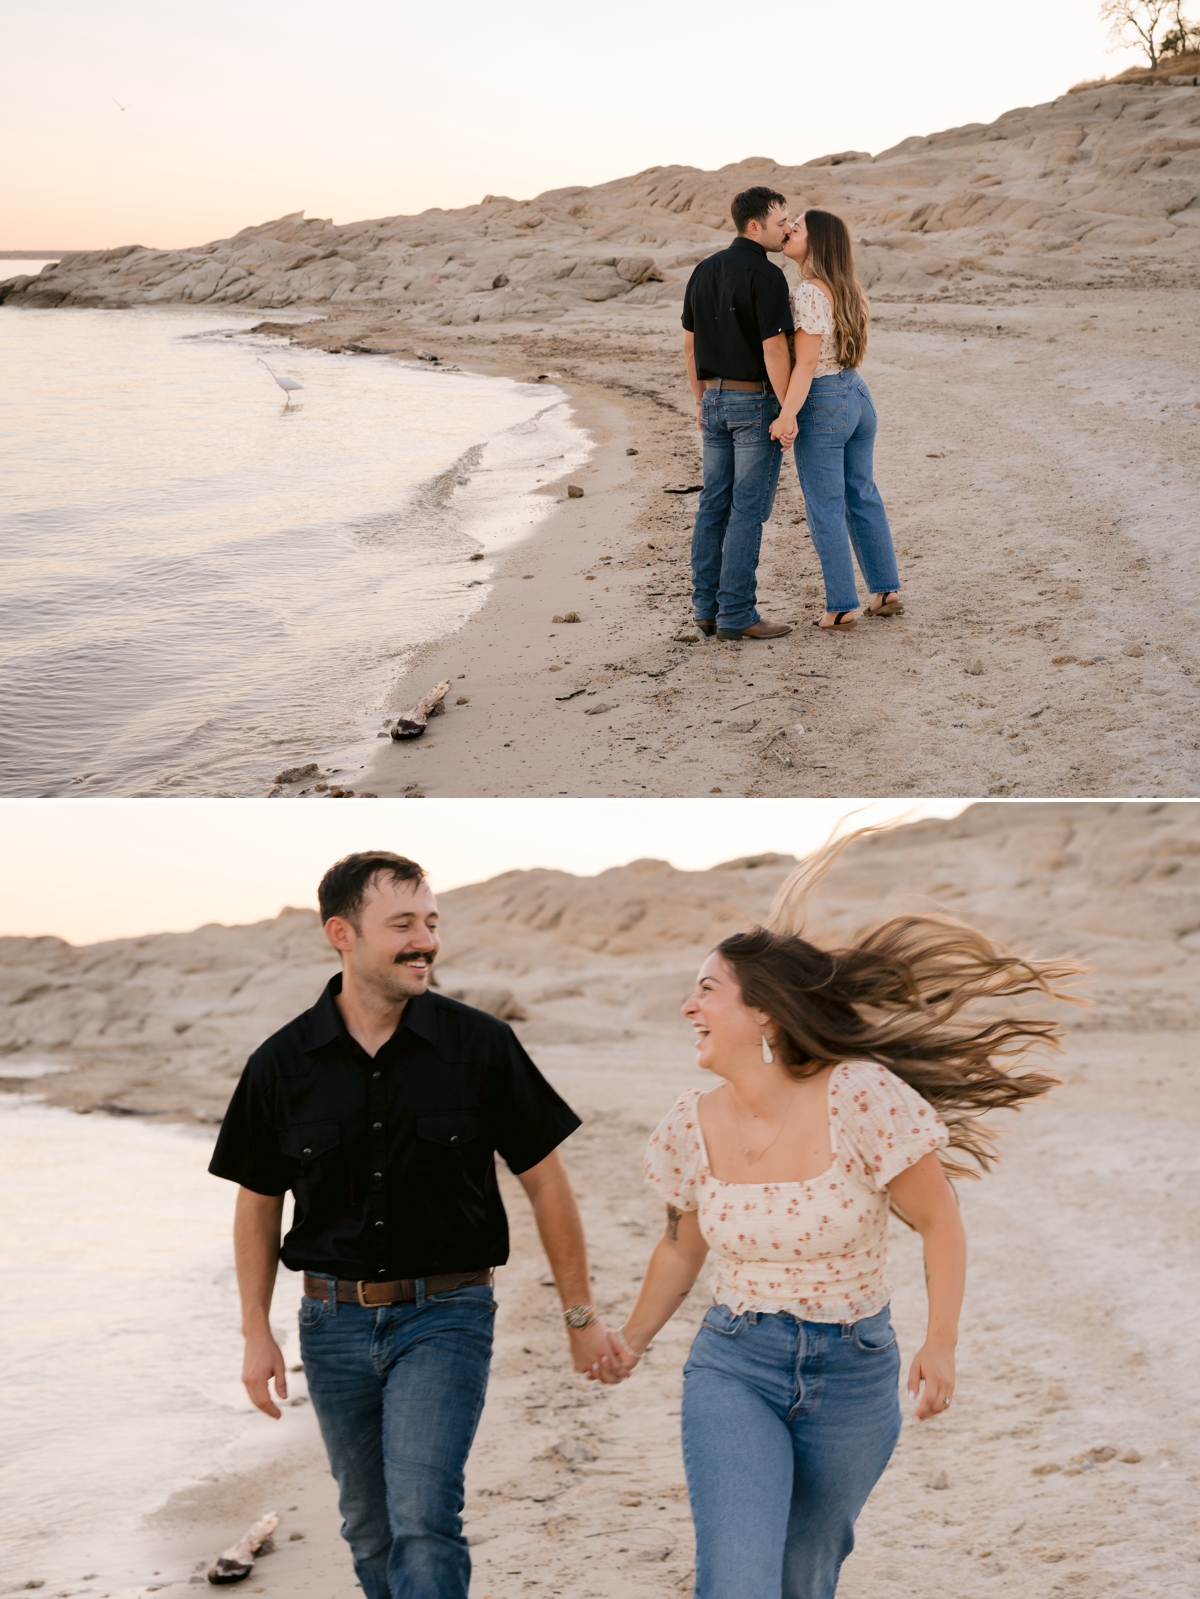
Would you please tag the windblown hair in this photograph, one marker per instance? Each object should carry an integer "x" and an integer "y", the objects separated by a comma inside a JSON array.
[
  {"x": 344, "y": 888},
  {"x": 754, "y": 205},
  {"x": 831, "y": 259},
  {"x": 898, "y": 995}
]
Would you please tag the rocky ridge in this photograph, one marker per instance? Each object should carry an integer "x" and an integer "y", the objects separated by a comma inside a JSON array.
[
  {"x": 1100, "y": 186},
  {"x": 162, "y": 1024}
]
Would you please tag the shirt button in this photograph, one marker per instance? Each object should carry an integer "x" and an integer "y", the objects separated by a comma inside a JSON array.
[
  {"x": 376, "y": 1074},
  {"x": 379, "y": 1224},
  {"x": 378, "y": 1126},
  {"x": 378, "y": 1176},
  {"x": 306, "y": 1152},
  {"x": 454, "y": 1138}
]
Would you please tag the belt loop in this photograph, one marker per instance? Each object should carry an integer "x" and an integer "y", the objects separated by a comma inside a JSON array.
[
  {"x": 719, "y": 383},
  {"x": 331, "y": 1298},
  {"x": 419, "y": 1285}
]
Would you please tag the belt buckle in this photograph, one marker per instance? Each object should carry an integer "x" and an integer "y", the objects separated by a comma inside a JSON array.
[{"x": 358, "y": 1288}]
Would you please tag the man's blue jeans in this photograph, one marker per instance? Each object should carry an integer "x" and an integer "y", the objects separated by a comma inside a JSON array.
[
  {"x": 741, "y": 471},
  {"x": 787, "y": 1427},
  {"x": 835, "y": 458},
  {"x": 398, "y": 1392}
]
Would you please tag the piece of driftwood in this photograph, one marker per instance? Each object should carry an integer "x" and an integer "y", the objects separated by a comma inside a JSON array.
[
  {"x": 412, "y": 723},
  {"x": 237, "y": 1562}
]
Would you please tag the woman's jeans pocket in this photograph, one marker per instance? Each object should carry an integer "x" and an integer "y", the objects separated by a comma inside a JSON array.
[
  {"x": 874, "y": 1334},
  {"x": 721, "y": 1320},
  {"x": 830, "y": 415}
]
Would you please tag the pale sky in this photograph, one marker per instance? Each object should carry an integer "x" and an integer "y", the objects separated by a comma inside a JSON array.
[
  {"x": 239, "y": 113},
  {"x": 92, "y": 869}
]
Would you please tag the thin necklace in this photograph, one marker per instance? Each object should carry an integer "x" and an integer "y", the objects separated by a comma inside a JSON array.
[{"x": 746, "y": 1155}]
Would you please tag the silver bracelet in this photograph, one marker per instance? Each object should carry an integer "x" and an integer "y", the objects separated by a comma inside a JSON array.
[{"x": 577, "y": 1317}]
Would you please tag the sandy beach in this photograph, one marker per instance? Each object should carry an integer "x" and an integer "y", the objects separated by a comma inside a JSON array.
[
  {"x": 1033, "y": 356},
  {"x": 1083, "y": 1241}
]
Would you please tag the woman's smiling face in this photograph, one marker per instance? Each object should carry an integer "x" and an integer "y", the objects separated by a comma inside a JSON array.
[{"x": 724, "y": 1024}]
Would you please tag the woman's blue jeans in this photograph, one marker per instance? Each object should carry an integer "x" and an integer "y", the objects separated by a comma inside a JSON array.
[
  {"x": 398, "y": 1392},
  {"x": 787, "y": 1426},
  {"x": 741, "y": 473},
  {"x": 835, "y": 460}
]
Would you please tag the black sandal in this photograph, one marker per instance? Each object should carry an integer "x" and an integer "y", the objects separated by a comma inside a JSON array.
[
  {"x": 837, "y": 625},
  {"x": 892, "y": 607}
]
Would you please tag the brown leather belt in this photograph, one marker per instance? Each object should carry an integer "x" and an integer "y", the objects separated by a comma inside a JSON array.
[
  {"x": 735, "y": 383},
  {"x": 400, "y": 1292}
]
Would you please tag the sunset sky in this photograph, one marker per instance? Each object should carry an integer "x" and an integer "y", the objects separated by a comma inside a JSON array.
[
  {"x": 92, "y": 869},
  {"x": 241, "y": 113}
]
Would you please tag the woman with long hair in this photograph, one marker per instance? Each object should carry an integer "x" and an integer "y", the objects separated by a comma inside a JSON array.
[
  {"x": 831, "y": 407},
  {"x": 851, "y": 1083}
]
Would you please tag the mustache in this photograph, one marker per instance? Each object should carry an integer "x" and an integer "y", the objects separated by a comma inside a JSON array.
[{"x": 409, "y": 957}]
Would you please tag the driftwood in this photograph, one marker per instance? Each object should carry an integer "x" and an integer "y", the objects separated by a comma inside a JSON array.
[
  {"x": 237, "y": 1562},
  {"x": 412, "y": 724}
]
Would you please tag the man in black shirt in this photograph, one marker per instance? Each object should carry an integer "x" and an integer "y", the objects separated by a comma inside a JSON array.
[
  {"x": 381, "y": 1108},
  {"x": 736, "y": 317}
]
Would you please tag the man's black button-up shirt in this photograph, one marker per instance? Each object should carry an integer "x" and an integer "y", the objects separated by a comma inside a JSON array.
[
  {"x": 391, "y": 1159},
  {"x": 734, "y": 300}
]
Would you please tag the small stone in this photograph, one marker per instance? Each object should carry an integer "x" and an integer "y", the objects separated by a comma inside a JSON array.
[
  {"x": 1087, "y": 660},
  {"x": 574, "y": 492},
  {"x": 687, "y": 637},
  {"x": 629, "y": 1500},
  {"x": 716, "y": 791},
  {"x": 295, "y": 1537},
  {"x": 1044, "y": 1471},
  {"x": 597, "y": 710},
  {"x": 940, "y": 1481},
  {"x": 570, "y": 616},
  {"x": 1129, "y": 1456},
  {"x": 465, "y": 699},
  {"x": 366, "y": 794},
  {"x": 478, "y": 556},
  {"x": 631, "y": 452},
  {"x": 384, "y": 734},
  {"x": 1074, "y": 593},
  {"x": 320, "y": 788},
  {"x": 935, "y": 455},
  {"x": 500, "y": 281},
  {"x": 297, "y": 774},
  {"x": 1095, "y": 1457},
  {"x": 1133, "y": 649},
  {"x": 1062, "y": 660},
  {"x": 976, "y": 668},
  {"x": 414, "y": 794}
]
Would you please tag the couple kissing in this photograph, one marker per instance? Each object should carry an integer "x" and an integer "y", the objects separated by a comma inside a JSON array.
[{"x": 754, "y": 399}]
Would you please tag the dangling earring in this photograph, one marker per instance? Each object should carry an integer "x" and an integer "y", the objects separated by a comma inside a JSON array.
[{"x": 766, "y": 1049}]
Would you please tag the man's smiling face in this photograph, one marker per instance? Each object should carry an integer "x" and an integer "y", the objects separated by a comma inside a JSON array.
[{"x": 393, "y": 941}]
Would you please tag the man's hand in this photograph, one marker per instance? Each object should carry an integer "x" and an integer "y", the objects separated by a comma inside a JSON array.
[
  {"x": 262, "y": 1361},
  {"x": 594, "y": 1351},
  {"x": 784, "y": 429}
]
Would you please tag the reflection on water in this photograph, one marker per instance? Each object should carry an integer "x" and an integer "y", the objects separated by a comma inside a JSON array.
[
  {"x": 119, "y": 1346},
  {"x": 205, "y": 582}
]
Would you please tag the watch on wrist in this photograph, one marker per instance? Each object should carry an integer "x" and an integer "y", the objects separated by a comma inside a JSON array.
[{"x": 579, "y": 1316}]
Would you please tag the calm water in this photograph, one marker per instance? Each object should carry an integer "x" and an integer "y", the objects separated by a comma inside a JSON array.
[
  {"x": 126, "y": 1385},
  {"x": 203, "y": 584}
]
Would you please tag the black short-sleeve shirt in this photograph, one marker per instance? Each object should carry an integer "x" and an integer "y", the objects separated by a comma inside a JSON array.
[
  {"x": 734, "y": 300},
  {"x": 391, "y": 1158}
]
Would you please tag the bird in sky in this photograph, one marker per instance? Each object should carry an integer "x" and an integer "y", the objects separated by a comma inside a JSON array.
[
  {"x": 121, "y": 107},
  {"x": 286, "y": 384}
]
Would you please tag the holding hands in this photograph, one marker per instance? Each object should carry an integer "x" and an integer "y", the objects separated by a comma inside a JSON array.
[{"x": 784, "y": 429}]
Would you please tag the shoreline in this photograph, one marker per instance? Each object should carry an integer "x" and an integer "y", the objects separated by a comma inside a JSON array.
[{"x": 1028, "y": 663}]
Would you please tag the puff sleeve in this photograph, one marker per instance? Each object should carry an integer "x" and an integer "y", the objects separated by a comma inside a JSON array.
[
  {"x": 881, "y": 1119},
  {"x": 673, "y": 1153},
  {"x": 811, "y": 310}
]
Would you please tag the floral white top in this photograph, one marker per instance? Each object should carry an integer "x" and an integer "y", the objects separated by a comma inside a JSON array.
[
  {"x": 812, "y": 313},
  {"x": 816, "y": 1248}
]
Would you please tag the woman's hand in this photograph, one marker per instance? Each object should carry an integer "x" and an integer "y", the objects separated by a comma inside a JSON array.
[
  {"x": 933, "y": 1366},
  {"x": 784, "y": 429}
]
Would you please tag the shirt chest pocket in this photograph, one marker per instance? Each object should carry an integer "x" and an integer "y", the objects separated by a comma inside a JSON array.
[
  {"x": 449, "y": 1131},
  {"x": 312, "y": 1145}
]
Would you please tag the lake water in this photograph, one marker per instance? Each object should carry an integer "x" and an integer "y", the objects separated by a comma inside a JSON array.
[
  {"x": 204, "y": 583},
  {"x": 120, "y": 1352}
]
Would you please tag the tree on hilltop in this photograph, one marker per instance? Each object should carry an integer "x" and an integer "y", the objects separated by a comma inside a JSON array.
[
  {"x": 1137, "y": 21},
  {"x": 1183, "y": 35}
]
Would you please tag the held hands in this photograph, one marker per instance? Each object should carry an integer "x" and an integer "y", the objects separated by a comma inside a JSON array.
[
  {"x": 784, "y": 429},
  {"x": 595, "y": 1352},
  {"x": 933, "y": 1366},
  {"x": 263, "y": 1360}
]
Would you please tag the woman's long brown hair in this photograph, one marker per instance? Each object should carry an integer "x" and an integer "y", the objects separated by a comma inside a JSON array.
[
  {"x": 897, "y": 995},
  {"x": 831, "y": 258}
]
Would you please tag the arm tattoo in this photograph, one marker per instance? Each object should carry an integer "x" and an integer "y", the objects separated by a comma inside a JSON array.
[{"x": 674, "y": 1217}]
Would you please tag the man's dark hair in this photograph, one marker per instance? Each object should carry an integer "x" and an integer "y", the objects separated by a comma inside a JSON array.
[
  {"x": 754, "y": 205},
  {"x": 343, "y": 889}
]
